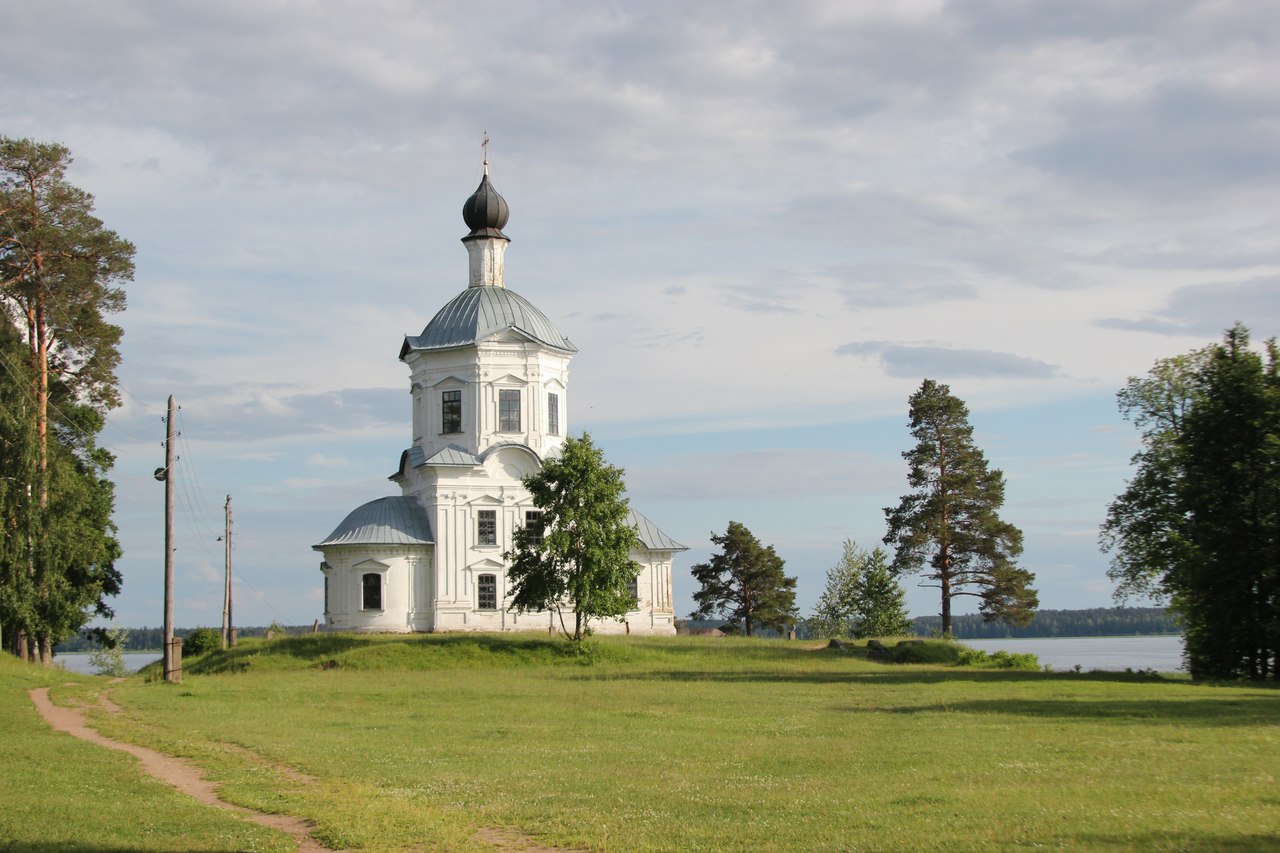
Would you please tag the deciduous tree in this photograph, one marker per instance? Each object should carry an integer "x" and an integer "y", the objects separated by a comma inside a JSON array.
[
  {"x": 579, "y": 556},
  {"x": 949, "y": 526},
  {"x": 1200, "y": 521},
  {"x": 744, "y": 583},
  {"x": 862, "y": 597}
]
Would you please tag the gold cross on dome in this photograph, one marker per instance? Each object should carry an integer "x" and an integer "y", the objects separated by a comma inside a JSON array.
[{"x": 485, "y": 145}]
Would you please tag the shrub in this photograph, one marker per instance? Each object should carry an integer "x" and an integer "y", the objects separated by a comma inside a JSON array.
[
  {"x": 201, "y": 641},
  {"x": 924, "y": 651},
  {"x": 997, "y": 660},
  {"x": 108, "y": 659}
]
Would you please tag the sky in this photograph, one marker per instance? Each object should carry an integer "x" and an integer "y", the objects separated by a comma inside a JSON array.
[{"x": 762, "y": 224}]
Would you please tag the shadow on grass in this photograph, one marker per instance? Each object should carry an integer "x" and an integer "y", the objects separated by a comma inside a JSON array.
[
  {"x": 63, "y": 847},
  {"x": 1174, "y": 841},
  {"x": 1243, "y": 711},
  {"x": 879, "y": 674}
]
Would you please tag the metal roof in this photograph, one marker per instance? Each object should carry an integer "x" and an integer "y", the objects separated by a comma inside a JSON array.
[
  {"x": 478, "y": 313},
  {"x": 650, "y": 536},
  {"x": 386, "y": 521}
]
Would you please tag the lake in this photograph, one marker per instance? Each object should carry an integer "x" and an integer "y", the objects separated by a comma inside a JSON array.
[
  {"x": 79, "y": 661},
  {"x": 1163, "y": 653}
]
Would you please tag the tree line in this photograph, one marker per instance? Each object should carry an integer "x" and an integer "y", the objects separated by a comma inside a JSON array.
[
  {"x": 61, "y": 275},
  {"x": 152, "y": 639},
  {"x": 1090, "y": 622}
]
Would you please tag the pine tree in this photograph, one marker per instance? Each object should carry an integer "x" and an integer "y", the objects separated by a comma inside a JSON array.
[
  {"x": 950, "y": 522},
  {"x": 744, "y": 583},
  {"x": 60, "y": 275},
  {"x": 579, "y": 557}
]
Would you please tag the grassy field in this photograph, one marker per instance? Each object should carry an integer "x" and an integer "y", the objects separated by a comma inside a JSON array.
[{"x": 685, "y": 744}]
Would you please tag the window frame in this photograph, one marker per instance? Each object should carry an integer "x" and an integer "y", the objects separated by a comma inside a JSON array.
[
  {"x": 532, "y": 516},
  {"x": 486, "y": 528},
  {"x": 509, "y": 410},
  {"x": 490, "y": 580},
  {"x": 365, "y": 588},
  {"x": 451, "y": 411},
  {"x": 553, "y": 413}
]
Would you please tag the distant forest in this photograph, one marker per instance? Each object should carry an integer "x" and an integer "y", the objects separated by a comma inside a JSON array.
[
  {"x": 1094, "y": 622},
  {"x": 152, "y": 639}
]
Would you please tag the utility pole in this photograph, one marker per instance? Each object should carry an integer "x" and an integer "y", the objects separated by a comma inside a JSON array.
[
  {"x": 226, "y": 593},
  {"x": 166, "y": 475}
]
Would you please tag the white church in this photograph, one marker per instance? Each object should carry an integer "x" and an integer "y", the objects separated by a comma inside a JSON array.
[{"x": 489, "y": 382}]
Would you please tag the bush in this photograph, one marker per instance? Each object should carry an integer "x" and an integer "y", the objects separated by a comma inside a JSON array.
[
  {"x": 924, "y": 651},
  {"x": 108, "y": 659},
  {"x": 201, "y": 641},
  {"x": 998, "y": 660}
]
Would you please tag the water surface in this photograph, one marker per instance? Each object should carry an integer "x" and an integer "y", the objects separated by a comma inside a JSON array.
[{"x": 1163, "y": 653}]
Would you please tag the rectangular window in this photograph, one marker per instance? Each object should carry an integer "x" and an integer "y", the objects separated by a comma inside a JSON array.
[
  {"x": 451, "y": 411},
  {"x": 487, "y": 592},
  {"x": 633, "y": 590},
  {"x": 372, "y": 589},
  {"x": 487, "y": 527},
  {"x": 533, "y": 524},
  {"x": 508, "y": 411},
  {"x": 553, "y": 414}
]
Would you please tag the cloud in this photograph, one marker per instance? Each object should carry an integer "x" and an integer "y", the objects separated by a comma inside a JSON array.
[
  {"x": 916, "y": 360},
  {"x": 1209, "y": 309},
  {"x": 1182, "y": 137}
]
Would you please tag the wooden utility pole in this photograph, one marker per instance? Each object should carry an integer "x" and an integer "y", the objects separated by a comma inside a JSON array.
[
  {"x": 171, "y": 672},
  {"x": 226, "y": 593}
]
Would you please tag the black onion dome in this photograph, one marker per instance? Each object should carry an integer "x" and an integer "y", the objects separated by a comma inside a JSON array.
[{"x": 485, "y": 212}]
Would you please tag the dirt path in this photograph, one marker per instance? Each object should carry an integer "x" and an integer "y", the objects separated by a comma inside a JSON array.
[
  {"x": 174, "y": 771},
  {"x": 186, "y": 777}
]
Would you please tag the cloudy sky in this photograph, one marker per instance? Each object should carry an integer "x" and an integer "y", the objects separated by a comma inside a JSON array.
[{"x": 763, "y": 224}]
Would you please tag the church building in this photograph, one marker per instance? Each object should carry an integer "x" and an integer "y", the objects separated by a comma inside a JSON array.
[{"x": 489, "y": 384}]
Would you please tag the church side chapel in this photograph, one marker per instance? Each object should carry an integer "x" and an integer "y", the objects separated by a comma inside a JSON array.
[{"x": 489, "y": 382}]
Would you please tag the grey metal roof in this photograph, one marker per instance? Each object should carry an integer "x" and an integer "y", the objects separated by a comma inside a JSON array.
[
  {"x": 386, "y": 521},
  {"x": 650, "y": 536},
  {"x": 477, "y": 313},
  {"x": 454, "y": 456}
]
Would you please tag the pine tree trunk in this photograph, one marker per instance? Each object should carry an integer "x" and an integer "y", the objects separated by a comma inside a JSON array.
[
  {"x": 946, "y": 606},
  {"x": 42, "y": 386}
]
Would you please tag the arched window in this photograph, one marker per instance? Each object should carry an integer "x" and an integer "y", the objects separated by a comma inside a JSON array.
[
  {"x": 371, "y": 585},
  {"x": 487, "y": 592}
]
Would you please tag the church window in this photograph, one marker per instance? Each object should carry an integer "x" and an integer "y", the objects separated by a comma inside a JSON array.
[
  {"x": 509, "y": 410},
  {"x": 326, "y": 595},
  {"x": 533, "y": 524},
  {"x": 372, "y": 588},
  {"x": 487, "y": 527},
  {"x": 487, "y": 592},
  {"x": 553, "y": 414},
  {"x": 633, "y": 590},
  {"x": 451, "y": 411}
]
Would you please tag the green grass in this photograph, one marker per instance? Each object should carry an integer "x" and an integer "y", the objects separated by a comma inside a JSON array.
[
  {"x": 60, "y": 794},
  {"x": 713, "y": 744}
]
